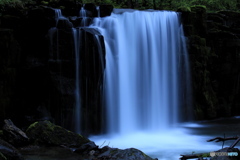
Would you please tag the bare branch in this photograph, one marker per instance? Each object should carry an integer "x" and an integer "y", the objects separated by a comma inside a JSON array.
[{"x": 220, "y": 139}]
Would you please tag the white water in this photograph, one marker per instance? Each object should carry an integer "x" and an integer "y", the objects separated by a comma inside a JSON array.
[
  {"x": 167, "y": 145},
  {"x": 144, "y": 52}
]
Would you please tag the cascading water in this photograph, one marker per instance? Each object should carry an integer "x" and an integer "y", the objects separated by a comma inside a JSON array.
[
  {"x": 87, "y": 44},
  {"x": 76, "y": 38},
  {"x": 52, "y": 31},
  {"x": 54, "y": 55},
  {"x": 144, "y": 55},
  {"x": 58, "y": 14},
  {"x": 83, "y": 15}
]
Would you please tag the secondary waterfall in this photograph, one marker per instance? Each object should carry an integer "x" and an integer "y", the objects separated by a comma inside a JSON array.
[
  {"x": 146, "y": 61},
  {"x": 76, "y": 38}
]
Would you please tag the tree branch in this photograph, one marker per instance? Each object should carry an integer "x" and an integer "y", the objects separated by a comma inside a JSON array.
[{"x": 220, "y": 139}]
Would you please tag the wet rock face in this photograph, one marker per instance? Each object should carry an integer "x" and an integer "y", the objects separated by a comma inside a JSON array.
[
  {"x": 62, "y": 67},
  {"x": 38, "y": 68},
  {"x": 224, "y": 40}
]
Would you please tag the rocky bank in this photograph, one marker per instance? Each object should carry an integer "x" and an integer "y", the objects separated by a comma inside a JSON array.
[{"x": 44, "y": 139}]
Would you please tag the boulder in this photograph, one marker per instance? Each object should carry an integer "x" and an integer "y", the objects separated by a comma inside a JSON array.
[
  {"x": 47, "y": 133},
  {"x": 126, "y": 154},
  {"x": 13, "y": 134}
]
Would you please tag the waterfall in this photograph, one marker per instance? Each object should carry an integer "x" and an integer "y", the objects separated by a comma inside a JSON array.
[
  {"x": 146, "y": 79},
  {"x": 51, "y": 32},
  {"x": 144, "y": 54},
  {"x": 54, "y": 35},
  {"x": 76, "y": 38},
  {"x": 83, "y": 16},
  {"x": 58, "y": 14}
]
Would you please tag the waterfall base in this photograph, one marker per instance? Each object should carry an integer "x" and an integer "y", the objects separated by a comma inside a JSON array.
[{"x": 163, "y": 145}]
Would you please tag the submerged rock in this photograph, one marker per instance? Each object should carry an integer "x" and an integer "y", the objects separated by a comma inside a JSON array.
[{"x": 47, "y": 133}]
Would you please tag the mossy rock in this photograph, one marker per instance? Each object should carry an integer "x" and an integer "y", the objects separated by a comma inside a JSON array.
[
  {"x": 198, "y": 8},
  {"x": 47, "y": 133},
  {"x": 184, "y": 9},
  {"x": 44, "y": 3}
]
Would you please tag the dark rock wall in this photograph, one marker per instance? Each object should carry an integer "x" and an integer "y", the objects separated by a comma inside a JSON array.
[
  {"x": 9, "y": 64},
  {"x": 213, "y": 43},
  {"x": 93, "y": 66}
]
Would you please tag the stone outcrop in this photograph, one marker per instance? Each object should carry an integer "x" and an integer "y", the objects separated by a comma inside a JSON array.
[{"x": 13, "y": 134}]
